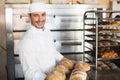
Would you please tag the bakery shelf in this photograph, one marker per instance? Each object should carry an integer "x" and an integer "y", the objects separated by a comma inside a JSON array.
[
  {"x": 106, "y": 59},
  {"x": 109, "y": 26},
  {"x": 89, "y": 52},
  {"x": 90, "y": 24},
  {"x": 107, "y": 66},
  {"x": 103, "y": 31},
  {"x": 103, "y": 59},
  {"x": 110, "y": 23},
  {"x": 109, "y": 31},
  {"x": 103, "y": 19},
  {"x": 104, "y": 37},
  {"x": 107, "y": 42}
]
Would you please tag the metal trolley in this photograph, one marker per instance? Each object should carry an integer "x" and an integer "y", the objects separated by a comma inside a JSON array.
[{"x": 101, "y": 31}]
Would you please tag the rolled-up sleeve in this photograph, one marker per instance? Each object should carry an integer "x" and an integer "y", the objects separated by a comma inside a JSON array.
[{"x": 58, "y": 56}]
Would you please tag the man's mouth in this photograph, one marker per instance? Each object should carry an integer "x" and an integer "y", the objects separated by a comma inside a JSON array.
[{"x": 40, "y": 22}]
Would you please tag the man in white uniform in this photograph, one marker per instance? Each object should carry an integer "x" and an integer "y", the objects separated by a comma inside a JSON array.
[{"x": 37, "y": 52}]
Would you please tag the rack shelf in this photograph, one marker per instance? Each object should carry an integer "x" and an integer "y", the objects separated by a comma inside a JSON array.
[{"x": 101, "y": 36}]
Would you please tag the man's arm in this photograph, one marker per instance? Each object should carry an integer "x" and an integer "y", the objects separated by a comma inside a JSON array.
[{"x": 29, "y": 64}]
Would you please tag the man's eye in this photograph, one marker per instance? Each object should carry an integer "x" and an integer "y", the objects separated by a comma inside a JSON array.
[
  {"x": 43, "y": 14},
  {"x": 35, "y": 15}
]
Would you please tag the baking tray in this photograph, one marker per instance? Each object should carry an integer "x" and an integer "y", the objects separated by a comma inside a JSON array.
[
  {"x": 94, "y": 44},
  {"x": 104, "y": 37},
  {"x": 100, "y": 30}
]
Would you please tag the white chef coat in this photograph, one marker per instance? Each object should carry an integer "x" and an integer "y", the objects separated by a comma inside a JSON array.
[{"x": 38, "y": 54}]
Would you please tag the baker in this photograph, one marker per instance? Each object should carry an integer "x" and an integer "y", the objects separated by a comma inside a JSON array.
[{"x": 38, "y": 55}]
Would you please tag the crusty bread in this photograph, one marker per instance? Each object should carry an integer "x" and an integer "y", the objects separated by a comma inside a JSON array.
[
  {"x": 104, "y": 23},
  {"x": 109, "y": 54},
  {"x": 100, "y": 37},
  {"x": 56, "y": 75},
  {"x": 67, "y": 63},
  {"x": 107, "y": 43},
  {"x": 108, "y": 36},
  {"x": 115, "y": 43},
  {"x": 108, "y": 23},
  {"x": 100, "y": 43},
  {"x": 78, "y": 75},
  {"x": 83, "y": 66},
  {"x": 115, "y": 23},
  {"x": 114, "y": 36},
  {"x": 61, "y": 68}
]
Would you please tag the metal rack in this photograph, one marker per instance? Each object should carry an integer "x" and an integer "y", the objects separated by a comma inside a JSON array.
[{"x": 96, "y": 25}]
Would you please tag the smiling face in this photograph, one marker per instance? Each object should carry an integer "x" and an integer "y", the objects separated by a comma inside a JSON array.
[{"x": 38, "y": 19}]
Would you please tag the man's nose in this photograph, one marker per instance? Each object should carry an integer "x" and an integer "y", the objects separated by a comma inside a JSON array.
[{"x": 39, "y": 17}]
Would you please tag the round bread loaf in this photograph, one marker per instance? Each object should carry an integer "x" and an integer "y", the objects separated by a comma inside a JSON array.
[
  {"x": 114, "y": 36},
  {"x": 107, "y": 43},
  {"x": 78, "y": 75},
  {"x": 110, "y": 54},
  {"x": 115, "y": 43},
  {"x": 115, "y": 23},
  {"x": 104, "y": 23},
  {"x": 56, "y": 75},
  {"x": 67, "y": 63},
  {"x": 83, "y": 66},
  {"x": 61, "y": 68},
  {"x": 100, "y": 43},
  {"x": 100, "y": 37},
  {"x": 108, "y": 36}
]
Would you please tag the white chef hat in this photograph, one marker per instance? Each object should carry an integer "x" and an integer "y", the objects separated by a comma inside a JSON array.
[{"x": 37, "y": 7}]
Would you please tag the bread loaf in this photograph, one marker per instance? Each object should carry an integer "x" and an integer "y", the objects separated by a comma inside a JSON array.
[
  {"x": 114, "y": 36},
  {"x": 102, "y": 66},
  {"x": 83, "y": 66},
  {"x": 107, "y": 43},
  {"x": 113, "y": 66},
  {"x": 108, "y": 36},
  {"x": 79, "y": 71},
  {"x": 115, "y": 43},
  {"x": 56, "y": 75},
  {"x": 109, "y": 54},
  {"x": 104, "y": 23},
  {"x": 61, "y": 68},
  {"x": 78, "y": 75},
  {"x": 100, "y": 43},
  {"x": 100, "y": 37},
  {"x": 67, "y": 63},
  {"x": 114, "y": 23}
]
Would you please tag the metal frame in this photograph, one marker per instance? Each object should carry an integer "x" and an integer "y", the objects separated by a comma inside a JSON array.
[
  {"x": 10, "y": 45},
  {"x": 98, "y": 18}
]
